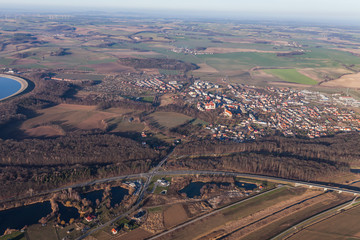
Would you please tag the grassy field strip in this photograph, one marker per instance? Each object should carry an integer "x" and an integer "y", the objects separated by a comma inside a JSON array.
[
  {"x": 313, "y": 220},
  {"x": 273, "y": 214},
  {"x": 212, "y": 213},
  {"x": 291, "y": 75}
]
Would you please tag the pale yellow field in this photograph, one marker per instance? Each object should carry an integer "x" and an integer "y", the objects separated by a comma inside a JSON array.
[
  {"x": 75, "y": 116},
  {"x": 204, "y": 68},
  {"x": 347, "y": 81}
]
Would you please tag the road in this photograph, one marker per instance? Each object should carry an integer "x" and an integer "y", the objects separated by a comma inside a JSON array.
[
  {"x": 156, "y": 172},
  {"x": 152, "y": 173},
  {"x": 208, "y": 214},
  {"x": 149, "y": 177}
]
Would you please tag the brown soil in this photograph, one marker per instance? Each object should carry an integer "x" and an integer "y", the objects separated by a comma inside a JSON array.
[
  {"x": 310, "y": 73},
  {"x": 288, "y": 84},
  {"x": 136, "y": 234},
  {"x": 244, "y": 226},
  {"x": 79, "y": 116},
  {"x": 154, "y": 222},
  {"x": 150, "y": 71},
  {"x": 347, "y": 81},
  {"x": 45, "y": 131},
  {"x": 342, "y": 226},
  {"x": 95, "y": 121},
  {"x": 204, "y": 68},
  {"x": 233, "y": 223},
  {"x": 167, "y": 99},
  {"x": 175, "y": 215}
]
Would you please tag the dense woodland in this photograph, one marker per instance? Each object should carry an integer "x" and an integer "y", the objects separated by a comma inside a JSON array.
[
  {"x": 158, "y": 63},
  {"x": 277, "y": 156},
  {"x": 47, "y": 163}
]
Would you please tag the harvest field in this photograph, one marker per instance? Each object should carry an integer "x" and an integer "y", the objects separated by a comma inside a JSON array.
[
  {"x": 174, "y": 215},
  {"x": 65, "y": 116},
  {"x": 348, "y": 80},
  {"x": 291, "y": 75},
  {"x": 345, "y": 225}
]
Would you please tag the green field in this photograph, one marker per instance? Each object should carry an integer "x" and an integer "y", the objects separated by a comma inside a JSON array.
[
  {"x": 291, "y": 75},
  {"x": 169, "y": 119},
  {"x": 5, "y": 61},
  {"x": 168, "y": 72}
]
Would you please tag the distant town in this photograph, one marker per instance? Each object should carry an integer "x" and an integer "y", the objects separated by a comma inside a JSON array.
[{"x": 289, "y": 111}]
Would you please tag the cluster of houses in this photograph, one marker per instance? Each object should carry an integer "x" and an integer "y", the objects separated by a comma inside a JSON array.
[
  {"x": 348, "y": 101},
  {"x": 158, "y": 85},
  {"x": 291, "y": 112},
  {"x": 134, "y": 84},
  {"x": 132, "y": 224},
  {"x": 191, "y": 51}
]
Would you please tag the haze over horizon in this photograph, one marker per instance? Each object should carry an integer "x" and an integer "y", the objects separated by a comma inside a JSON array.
[{"x": 304, "y": 9}]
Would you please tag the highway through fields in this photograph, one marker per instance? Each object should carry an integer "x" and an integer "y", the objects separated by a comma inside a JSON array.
[{"x": 156, "y": 172}]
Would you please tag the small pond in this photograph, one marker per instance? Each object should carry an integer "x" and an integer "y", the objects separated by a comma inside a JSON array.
[
  {"x": 17, "y": 218},
  {"x": 66, "y": 213},
  {"x": 246, "y": 186},
  {"x": 92, "y": 196},
  {"x": 117, "y": 195}
]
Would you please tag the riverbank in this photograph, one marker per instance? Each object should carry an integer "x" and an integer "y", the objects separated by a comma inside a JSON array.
[{"x": 24, "y": 84}]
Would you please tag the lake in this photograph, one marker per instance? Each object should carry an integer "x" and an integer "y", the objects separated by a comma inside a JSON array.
[
  {"x": 17, "y": 218},
  {"x": 8, "y": 87},
  {"x": 193, "y": 189}
]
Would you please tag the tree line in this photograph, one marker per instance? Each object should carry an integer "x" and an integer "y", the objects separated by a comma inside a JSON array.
[
  {"x": 42, "y": 164},
  {"x": 292, "y": 158}
]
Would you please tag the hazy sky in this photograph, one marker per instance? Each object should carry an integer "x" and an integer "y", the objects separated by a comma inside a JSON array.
[{"x": 307, "y": 8}]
